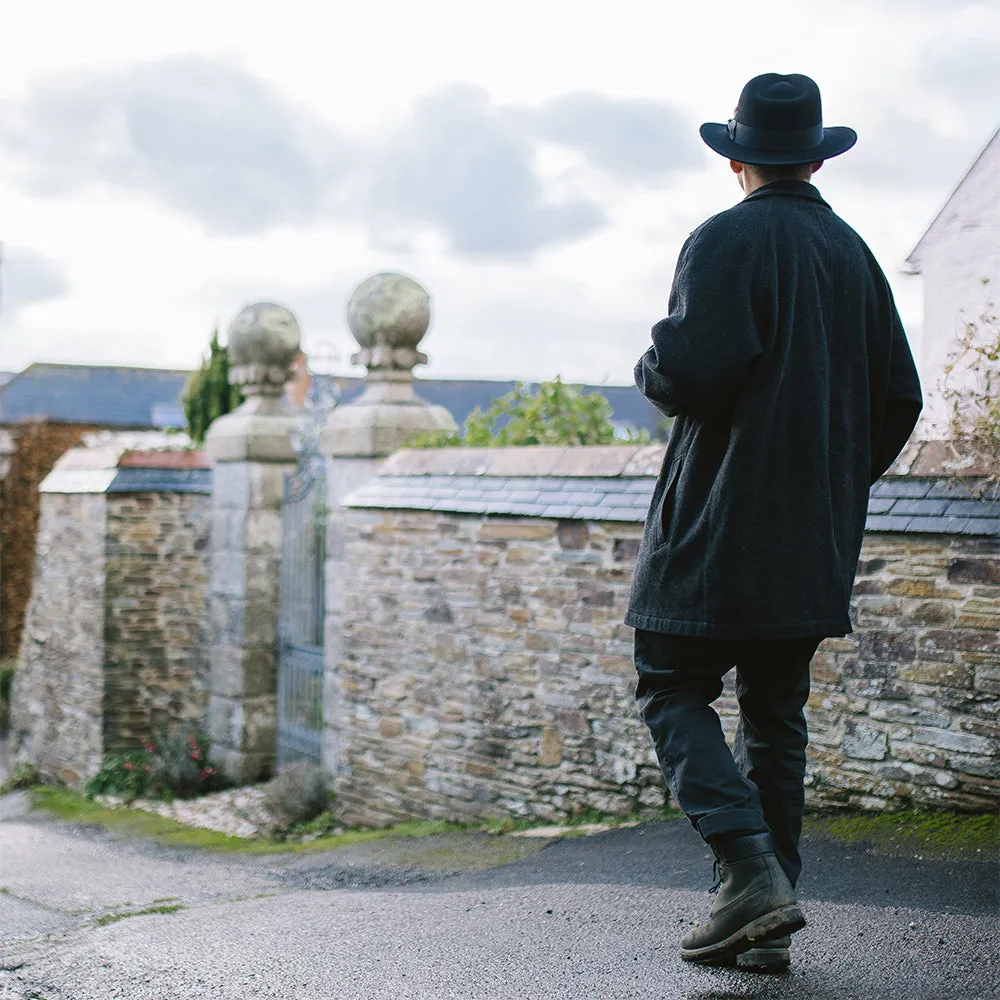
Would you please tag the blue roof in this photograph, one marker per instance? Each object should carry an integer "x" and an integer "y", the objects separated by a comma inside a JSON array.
[
  {"x": 461, "y": 396},
  {"x": 898, "y": 504},
  {"x": 151, "y": 398},
  {"x": 138, "y": 480},
  {"x": 103, "y": 397}
]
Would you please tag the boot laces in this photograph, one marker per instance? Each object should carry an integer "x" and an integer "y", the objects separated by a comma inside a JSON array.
[{"x": 716, "y": 876}]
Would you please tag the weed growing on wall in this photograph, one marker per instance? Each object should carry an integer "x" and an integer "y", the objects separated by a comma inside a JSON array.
[
  {"x": 551, "y": 414},
  {"x": 971, "y": 388},
  {"x": 24, "y": 775},
  {"x": 7, "y": 669}
]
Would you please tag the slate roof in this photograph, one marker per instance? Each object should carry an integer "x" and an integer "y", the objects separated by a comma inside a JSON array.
[
  {"x": 461, "y": 396},
  {"x": 607, "y": 499},
  {"x": 95, "y": 395},
  {"x": 936, "y": 506},
  {"x": 144, "y": 397},
  {"x": 903, "y": 504},
  {"x": 129, "y": 480}
]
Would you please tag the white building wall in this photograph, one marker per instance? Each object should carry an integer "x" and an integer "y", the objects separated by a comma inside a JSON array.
[{"x": 959, "y": 258}]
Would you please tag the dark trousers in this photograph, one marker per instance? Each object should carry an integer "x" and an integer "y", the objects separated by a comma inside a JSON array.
[{"x": 758, "y": 786}]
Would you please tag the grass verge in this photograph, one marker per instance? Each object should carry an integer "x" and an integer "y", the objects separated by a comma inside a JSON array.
[
  {"x": 938, "y": 835},
  {"x": 72, "y": 807}
]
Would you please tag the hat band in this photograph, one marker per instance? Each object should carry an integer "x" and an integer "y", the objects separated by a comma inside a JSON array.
[{"x": 778, "y": 140}]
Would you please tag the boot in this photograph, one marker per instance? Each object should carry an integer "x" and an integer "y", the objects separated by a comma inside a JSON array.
[
  {"x": 767, "y": 956},
  {"x": 755, "y": 902}
]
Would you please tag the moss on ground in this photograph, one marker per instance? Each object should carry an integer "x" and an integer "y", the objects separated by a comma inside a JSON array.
[
  {"x": 911, "y": 833},
  {"x": 953, "y": 836},
  {"x": 113, "y": 918},
  {"x": 72, "y": 807}
]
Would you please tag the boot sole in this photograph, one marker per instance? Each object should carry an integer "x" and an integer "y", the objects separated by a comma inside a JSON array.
[{"x": 777, "y": 923}]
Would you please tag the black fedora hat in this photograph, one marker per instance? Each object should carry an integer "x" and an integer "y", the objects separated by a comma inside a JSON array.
[{"x": 779, "y": 120}]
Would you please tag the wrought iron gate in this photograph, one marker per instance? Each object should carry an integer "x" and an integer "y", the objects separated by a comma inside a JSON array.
[{"x": 301, "y": 600}]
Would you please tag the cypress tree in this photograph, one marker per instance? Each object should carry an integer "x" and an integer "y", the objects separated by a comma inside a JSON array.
[{"x": 208, "y": 394}]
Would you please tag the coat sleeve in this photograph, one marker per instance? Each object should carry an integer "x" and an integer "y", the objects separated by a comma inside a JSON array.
[
  {"x": 903, "y": 402},
  {"x": 703, "y": 350}
]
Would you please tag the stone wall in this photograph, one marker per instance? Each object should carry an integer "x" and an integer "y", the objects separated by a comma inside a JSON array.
[
  {"x": 155, "y": 657},
  {"x": 114, "y": 638},
  {"x": 58, "y": 692},
  {"x": 907, "y": 709},
  {"x": 485, "y": 670}
]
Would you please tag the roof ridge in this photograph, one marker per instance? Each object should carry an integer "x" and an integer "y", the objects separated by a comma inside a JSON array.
[
  {"x": 117, "y": 368},
  {"x": 957, "y": 187}
]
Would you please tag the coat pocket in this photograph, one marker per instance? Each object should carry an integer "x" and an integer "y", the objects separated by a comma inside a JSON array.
[{"x": 666, "y": 511}]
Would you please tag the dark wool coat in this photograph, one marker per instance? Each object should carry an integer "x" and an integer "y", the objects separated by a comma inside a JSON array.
[{"x": 785, "y": 362}]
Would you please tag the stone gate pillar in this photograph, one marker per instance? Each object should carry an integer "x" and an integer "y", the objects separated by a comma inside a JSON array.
[
  {"x": 251, "y": 451},
  {"x": 7, "y": 448},
  {"x": 388, "y": 314}
]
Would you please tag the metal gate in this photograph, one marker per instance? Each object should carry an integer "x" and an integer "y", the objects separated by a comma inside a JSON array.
[{"x": 301, "y": 599}]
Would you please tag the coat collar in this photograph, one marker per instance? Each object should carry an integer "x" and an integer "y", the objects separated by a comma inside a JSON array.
[{"x": 792, "y": 189}]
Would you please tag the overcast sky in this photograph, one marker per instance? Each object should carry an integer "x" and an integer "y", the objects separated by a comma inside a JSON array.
[{"x": 535, "y": 165}]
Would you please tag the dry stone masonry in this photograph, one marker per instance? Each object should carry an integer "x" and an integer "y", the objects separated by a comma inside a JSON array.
[
  {"x": 114, "y": 643},
  {"x": 485, "y": 669}
]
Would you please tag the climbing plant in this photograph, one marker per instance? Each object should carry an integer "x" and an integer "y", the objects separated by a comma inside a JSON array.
[{"x": 971, "y": 388}]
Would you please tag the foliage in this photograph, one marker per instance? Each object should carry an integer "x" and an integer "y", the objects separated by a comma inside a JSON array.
[
  {"x": 552, "y": 414},
  {"x": 24, "y": 775},
  {"x": 69, "y": 807},
  {"x": 296, "y": 795},
  {"x": 208, "y": 394},
  {"x": 175, "y": 765},
  {"x": 971, "y": 386},
  {"x": 122, "y": 774},
  {"x": 180, "y": 767},
  {"x": 6, "y": 682}
]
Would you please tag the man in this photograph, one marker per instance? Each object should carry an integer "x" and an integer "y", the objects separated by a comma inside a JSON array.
[{"x": 785, "y": 362}]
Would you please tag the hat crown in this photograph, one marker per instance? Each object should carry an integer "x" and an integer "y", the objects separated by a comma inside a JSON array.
[{"x": 774, "y": 101}]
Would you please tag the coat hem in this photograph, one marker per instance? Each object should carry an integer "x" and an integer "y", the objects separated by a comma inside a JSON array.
[{"x": 825, "y": 627}]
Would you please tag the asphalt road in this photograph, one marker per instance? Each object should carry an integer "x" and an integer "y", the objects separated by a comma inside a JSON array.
[{"x": 469, "y": 916}]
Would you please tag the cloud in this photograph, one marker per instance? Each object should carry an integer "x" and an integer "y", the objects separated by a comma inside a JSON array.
[
  {"x": 631, "y": 139},
  {"x": 223, "y": 146},
  {"x": 464, "y": 167},
  {"x": 204, "y": 137},
  {"x": 29, "y": 277},
  {"x": 942, "y": 112},
  {"x": 965, "y": 77}
]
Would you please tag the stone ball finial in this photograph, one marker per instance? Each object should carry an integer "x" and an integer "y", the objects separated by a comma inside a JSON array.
[
  {"x": 263, "y": 342},
  {"x": 389, "y": 315}
]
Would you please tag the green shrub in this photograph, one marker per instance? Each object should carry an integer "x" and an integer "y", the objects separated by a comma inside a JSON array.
[
  {"x": 123, "y": 774},
  {"x": 179, "y": 765},
  {"x": 552, "y": 414},
  {"x": 24, "y": 775},
  {"x": 173, "y": 765},
  {"x": 296, "y": 795}
]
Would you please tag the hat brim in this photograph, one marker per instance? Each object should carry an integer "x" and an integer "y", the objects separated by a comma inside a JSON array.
[{"x": 836, "y": 140}]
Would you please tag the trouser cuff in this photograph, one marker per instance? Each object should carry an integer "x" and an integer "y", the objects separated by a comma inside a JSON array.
[{"x": 730, "y": 823}]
